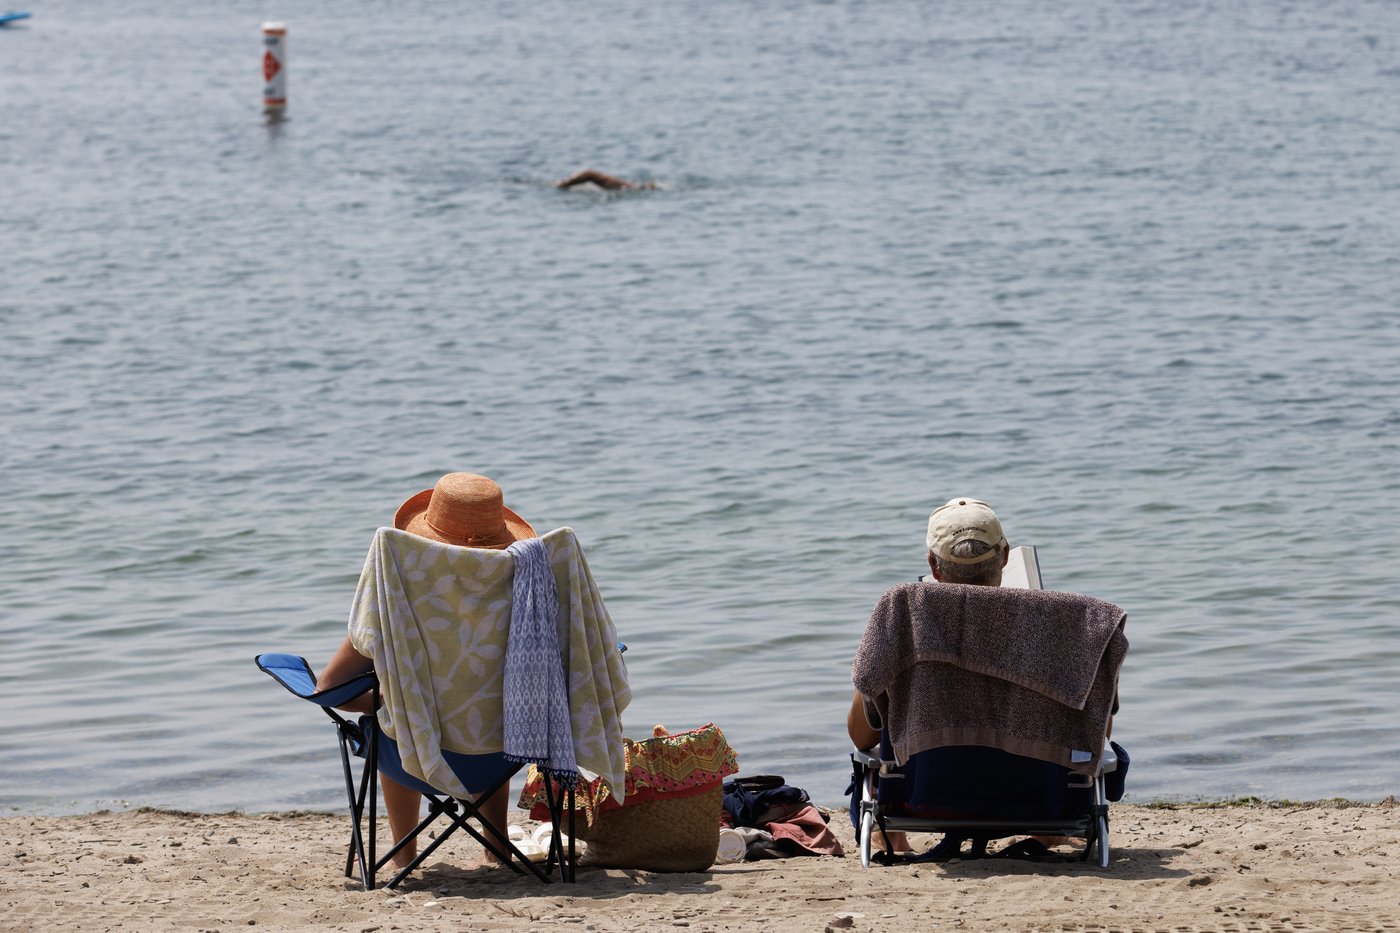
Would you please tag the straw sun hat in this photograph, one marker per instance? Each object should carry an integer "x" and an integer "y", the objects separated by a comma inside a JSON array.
[{"x": 464, "y": 509}]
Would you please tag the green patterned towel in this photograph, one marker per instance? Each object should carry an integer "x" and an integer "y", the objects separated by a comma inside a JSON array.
[{"x": 435, "y": 619}]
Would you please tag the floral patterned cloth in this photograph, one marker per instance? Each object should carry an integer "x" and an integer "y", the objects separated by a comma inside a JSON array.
[
  {"x": 435, "y": 619},
  {"x": 665, "y": 765}
]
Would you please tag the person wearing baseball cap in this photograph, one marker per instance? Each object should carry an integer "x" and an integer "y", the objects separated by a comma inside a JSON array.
[{"x": 965, "y": 544}]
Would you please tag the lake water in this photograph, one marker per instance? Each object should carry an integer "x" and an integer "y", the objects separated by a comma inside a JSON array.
[{"x": 1126, "y": 270}]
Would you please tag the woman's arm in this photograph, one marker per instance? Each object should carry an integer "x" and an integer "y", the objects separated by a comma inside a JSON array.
[{"x": 344, "y": 664}]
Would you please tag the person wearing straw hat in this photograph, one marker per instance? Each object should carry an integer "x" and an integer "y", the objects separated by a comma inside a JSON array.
[{"x": 463, "y": 509}]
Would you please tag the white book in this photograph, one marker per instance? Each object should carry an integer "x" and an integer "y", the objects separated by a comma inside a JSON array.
[{"x": 1022, "y": 570}]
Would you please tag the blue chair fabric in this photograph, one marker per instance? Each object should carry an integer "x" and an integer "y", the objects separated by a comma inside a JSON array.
[{"x": 976, "y": 782}]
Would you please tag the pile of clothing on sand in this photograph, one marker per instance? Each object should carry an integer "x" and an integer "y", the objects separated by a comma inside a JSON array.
[{"x": 772, "y": 819}]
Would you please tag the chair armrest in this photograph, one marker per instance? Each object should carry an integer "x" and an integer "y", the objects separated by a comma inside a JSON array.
[
  {"x": 865, "y": 757},
  {"x": 295, "y": 674}
]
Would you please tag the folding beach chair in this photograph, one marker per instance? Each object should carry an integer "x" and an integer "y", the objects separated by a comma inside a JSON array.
[
  {"x": 1000, "y": 698},
  {"x": 979, "y": 793},
  {"x": 484, "y": 660},
  {"x": 482, "y": 775}
]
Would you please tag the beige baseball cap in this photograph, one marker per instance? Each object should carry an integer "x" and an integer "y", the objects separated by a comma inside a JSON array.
[{"x": 963, "y": 519}]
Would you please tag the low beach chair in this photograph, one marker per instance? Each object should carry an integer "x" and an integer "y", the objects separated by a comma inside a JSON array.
[
  {"x": 994, "y": 706},
  {"x": 484, "y": 660},
  {"x": 979, "y": 793}
]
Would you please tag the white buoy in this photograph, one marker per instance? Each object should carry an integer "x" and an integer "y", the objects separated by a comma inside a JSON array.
[{"x": 274, "y": 65}]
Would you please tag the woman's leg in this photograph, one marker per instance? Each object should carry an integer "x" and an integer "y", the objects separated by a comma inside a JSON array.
[
  {"x": 402, "y": 805},
  {"x": 493, "y": 810}
]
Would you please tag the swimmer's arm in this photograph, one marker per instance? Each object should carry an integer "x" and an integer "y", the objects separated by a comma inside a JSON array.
[{"x": 607, "y": 182}]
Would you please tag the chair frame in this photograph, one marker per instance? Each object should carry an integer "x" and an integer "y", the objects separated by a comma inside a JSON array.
[
  {"x": 1092, "y": 826},
  {"x": 362, "y": 797}
]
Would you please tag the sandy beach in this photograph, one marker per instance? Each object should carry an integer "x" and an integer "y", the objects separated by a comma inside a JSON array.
[{"x": 1319, "y": 866}]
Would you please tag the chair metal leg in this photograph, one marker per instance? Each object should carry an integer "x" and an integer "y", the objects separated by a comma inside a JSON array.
[
  {"x": 372, "y": 766},
  {"x": 491, "y": 838},
  {"x": 556, "y": 850},
  {"x": 436, "y": 807},
  {"x": 1101, "y": 820},
  {"x": 356, "y": 807},
  {"x": 573, "y": 855},
  {"x": 558, "y": 800},
  {"x": 357, "y": 810},
  {"x": 1098, "y": 825},
  {"x": 357, "y": 846},
  {"x": 868, "y": 817},
  {"x": 368, "y": 794},
  {"x": 363, "y": 803},
  {"x": 867, "y": 827}
]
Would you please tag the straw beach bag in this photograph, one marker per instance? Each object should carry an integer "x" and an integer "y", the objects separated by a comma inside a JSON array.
[{"x": 670, "y": 818}]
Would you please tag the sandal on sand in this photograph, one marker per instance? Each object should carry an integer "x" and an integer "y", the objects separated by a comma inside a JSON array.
[
  {"x": 950, "y": 847},
  {"x": 1031, "y": 850}
]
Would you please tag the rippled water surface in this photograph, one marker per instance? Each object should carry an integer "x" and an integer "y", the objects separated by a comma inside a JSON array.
[{"x": 1126, "y": 270}]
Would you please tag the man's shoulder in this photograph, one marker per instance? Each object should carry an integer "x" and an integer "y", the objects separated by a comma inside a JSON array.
[
  {"x": 903, "y": 598},
  {"x": 904, "y": 590}
]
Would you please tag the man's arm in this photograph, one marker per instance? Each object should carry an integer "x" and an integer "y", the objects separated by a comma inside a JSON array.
[{"x": 862, "y": 734}]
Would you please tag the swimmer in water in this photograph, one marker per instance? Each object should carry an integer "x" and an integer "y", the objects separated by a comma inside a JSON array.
[{"x": 606, "y": 182}]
